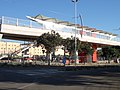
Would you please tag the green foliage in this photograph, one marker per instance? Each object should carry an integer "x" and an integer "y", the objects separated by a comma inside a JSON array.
[
  {"x": 111, "y": 51},
  {"x": 49, "y": 40},
  {"x": 69, "y": 44},
  {"x": 87, "y": 48},
  {"x": 100, "y": 53}
]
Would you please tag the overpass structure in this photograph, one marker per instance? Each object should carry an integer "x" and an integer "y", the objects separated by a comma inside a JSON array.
[{"x": 30, "y": 30}]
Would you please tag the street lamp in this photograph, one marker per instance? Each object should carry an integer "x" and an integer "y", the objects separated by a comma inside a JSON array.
[{"x": 75, "y": 21}]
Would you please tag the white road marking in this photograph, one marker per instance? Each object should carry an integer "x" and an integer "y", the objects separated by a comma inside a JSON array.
[{"x": 22, "y": 87}]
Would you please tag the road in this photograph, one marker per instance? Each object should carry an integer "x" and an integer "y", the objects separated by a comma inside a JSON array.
[{"x": 54, "y": 79}]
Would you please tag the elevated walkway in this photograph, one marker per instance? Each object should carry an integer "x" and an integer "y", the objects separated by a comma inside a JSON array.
[{"x": 18, "y": 29}]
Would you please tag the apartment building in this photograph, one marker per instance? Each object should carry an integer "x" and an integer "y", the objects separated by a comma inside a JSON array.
[
  {"x": 36, "y": 51},
  {"x": 11, "y": 47}
]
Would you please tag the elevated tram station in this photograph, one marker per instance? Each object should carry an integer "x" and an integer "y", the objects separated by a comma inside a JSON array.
[{"x": 31, "y": 29}]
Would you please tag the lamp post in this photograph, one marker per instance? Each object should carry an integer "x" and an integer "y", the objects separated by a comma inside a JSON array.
[{"x": 75, "y": 21}]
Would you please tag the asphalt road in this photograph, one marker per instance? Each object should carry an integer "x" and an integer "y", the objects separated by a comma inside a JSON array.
[{"x": 53, "y": 79}]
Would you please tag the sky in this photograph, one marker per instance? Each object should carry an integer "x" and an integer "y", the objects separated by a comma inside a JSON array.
[{"x": 99, "y": 14}]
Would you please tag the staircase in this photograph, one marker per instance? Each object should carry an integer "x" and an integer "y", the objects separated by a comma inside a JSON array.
[
  {"x": 24, "y": 48},
  {"x": 3, "y": 56}
]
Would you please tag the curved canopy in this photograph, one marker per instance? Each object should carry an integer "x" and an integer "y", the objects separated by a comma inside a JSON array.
[{"x": 54, "y": 20}]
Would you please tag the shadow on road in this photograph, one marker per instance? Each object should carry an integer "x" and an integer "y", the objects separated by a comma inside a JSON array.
[{"x": 101, "y": 78}]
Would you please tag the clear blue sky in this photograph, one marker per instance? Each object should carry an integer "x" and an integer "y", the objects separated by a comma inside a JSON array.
[{"x": 100, "y": 14}]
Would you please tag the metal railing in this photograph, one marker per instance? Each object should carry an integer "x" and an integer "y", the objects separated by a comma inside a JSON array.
[
  {"x": 33, "y": 24},
  {"x": 19, "y": 22}
]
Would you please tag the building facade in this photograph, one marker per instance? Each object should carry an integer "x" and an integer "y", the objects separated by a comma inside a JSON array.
[{"x": 11, "y": 47}]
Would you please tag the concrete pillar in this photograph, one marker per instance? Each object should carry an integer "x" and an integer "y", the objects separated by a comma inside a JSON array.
[
  {"x": 77, "y": 59},
  {"x": 94, "y": 56},
  {"x": 1, "y": 36}
]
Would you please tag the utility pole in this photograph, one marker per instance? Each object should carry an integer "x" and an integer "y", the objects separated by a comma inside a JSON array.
[{"x": 75, "y": 21}]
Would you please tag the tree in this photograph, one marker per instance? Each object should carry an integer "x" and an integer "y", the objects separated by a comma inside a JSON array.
[
  {"x": 100, "y": 54},
  {"x": 87, "y": 48},
  {"x": 110, "y": 52},
  {"x": 69, "y": 44},
  {"x": 49, "y": 41}
]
